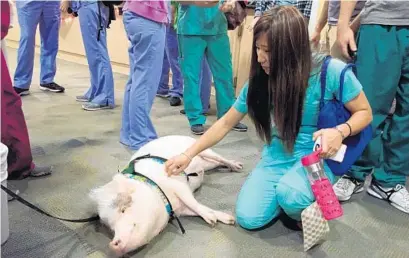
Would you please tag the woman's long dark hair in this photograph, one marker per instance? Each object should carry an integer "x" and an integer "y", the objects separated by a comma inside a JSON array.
[{"x": 282, "y": 92}]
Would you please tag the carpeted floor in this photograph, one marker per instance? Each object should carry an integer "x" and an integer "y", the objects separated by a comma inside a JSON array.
[{"x": 84, "y": 150}]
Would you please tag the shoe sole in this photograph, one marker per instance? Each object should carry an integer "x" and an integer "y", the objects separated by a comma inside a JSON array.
[
  {"x": 24, "y": 93},
  {"x": 95, "y": 109},
  {"x": 376, "y": 195},
  {"x": 239, "y": 130},
  {"x": 162, "y": 96},
  {"x": 347, "y": 198},
  {"x": 47, "y": 89}
]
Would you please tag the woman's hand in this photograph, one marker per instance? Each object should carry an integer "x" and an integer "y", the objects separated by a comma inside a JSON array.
[
  {"x": 227, "y": 6},
  {"x": 331, "y": 141},
  {"x": 177, "y": 164}
]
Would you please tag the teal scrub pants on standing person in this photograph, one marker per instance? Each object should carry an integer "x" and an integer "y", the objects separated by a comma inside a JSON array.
[
  {"x": 147, "y": 47},
  {"x": 383, "y": 69},
  {"x": 101, "y": 92},
  {"x": 32, "y": 13},
  {"x": 203, "y": 32},
  {"x": 279, "y": 182}
]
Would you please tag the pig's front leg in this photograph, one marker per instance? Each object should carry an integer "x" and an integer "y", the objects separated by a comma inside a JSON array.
[
  {"x": 212, "y": 156},
  {"x": 221, "y": 216},
  {"x": 183, "y": 192}
]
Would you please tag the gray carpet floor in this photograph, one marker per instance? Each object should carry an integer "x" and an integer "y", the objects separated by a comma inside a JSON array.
[{"x": 84, "y": 150}]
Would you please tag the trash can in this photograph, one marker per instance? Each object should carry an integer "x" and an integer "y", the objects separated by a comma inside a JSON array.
[{"x": 5, "y": 232}]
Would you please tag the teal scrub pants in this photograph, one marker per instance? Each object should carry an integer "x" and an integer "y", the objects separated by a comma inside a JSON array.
[
  {"x": 278, "y": 183},
  {"x": 217, "y": 51},
  {"x": 383, "y": 69}
]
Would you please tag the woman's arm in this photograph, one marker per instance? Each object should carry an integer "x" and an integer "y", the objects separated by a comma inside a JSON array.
[
  {"x": 361, "y": 115},
  {"x": 216, "y": 132}
]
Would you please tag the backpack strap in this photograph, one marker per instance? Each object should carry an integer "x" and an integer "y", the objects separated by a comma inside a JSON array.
[
  {"x": 342, "y": 78},
  {"x": 324, "y": 69}
]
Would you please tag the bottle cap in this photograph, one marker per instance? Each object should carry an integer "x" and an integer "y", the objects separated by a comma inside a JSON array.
[{"x": 311, "y": 159}]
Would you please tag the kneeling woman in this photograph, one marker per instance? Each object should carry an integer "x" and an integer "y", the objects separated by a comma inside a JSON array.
[{"x": 283, "y": 89}]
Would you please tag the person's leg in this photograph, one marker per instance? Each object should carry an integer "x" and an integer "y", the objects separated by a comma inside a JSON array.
[
  {"x": 148, "y": 43},
  {"x": 173, "y": 53},
  {"x": 378, "y": 51},
  {"x": 205, "y": 85},
  {"x": 14, "y": 133},
  {"x": 126, "y": 127},
  {"x": 191, "y": 51},
  {"x": 101, "y": 94},
  {"x": 220, "y": 62},
  {"x": 28, "y": 18},
  {"x": 390, "y": 177},
  {"x": 257, "y": 204},
  {"x": 49, "y": 31},
  {"x": 163, "y": 90},
  {"x": 294, "y": 192}
]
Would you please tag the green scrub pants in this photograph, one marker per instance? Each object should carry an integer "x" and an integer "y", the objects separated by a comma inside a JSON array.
[
  {"x": 383, "y": 69},
  {"x": 191, "y": 52}
]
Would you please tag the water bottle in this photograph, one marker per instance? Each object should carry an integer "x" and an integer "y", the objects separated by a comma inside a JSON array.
[{"x": 321, "y": 186}]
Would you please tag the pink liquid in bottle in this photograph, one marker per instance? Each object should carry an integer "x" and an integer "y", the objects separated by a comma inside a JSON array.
[{"x": 321, "y": 187}]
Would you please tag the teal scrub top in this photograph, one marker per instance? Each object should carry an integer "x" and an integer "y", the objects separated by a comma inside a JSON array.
[
  {"x": 201, "y": 21},
  {"x": 304, "y": 143}
]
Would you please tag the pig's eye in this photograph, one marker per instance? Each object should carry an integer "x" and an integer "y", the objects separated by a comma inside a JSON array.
[
  {"x": 134, "y": 224},
  {"x": 123, "y": 210}
]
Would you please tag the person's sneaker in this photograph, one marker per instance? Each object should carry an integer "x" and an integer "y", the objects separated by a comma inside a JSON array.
[
  {"x": 397, "y": 196},
  {"x": 197, "y": 129},
  {"x": 175, "y": 101},
  {"x": 162, "y": 94},
  {"x": 240, "y": 127},
  {"x": 183, "y": 112},
  {"x": 81, "y": 99},
  {"x": 41, "y": 171},
  {"x": 21, "y": 92},
  {"x": 346, "y": 186},
  {"x": 53, "y": 87},
  {"x": 95, "y": 107}
]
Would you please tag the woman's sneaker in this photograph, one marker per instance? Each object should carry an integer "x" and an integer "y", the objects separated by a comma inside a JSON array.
[
  {"x": 346, "y": 186},
  {"x": 53, "y": 87},
  {"x": 397, "y": 196},
  {"x": 197, "y": 129}
]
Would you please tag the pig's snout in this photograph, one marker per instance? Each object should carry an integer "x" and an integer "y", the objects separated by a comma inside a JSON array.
[{"x": 118, "y": 247}]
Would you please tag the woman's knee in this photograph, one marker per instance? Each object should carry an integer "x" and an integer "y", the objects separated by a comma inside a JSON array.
[
  {"x": 251, "y": 220},
  {"x": 293, "y": 201}
]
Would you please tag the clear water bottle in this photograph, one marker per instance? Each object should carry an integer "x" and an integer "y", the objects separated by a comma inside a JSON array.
[{"x": 321, "y": 186}]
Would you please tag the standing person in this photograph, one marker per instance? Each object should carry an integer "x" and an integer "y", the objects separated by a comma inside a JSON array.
[
  {"x": 31, "y": 13},
  {"x": 202, "y": 31},
  {"x": 94, "y": 18},
  {"x": 304, "y": 6},
  {"x": 383, "y": 47},
  {"x": 170, "y": 60},
  {"x": 329, "y": 15},
  {"x": 145, "y": 24},
  {"x": 282, "y": 68},
  {"x": 14, "y": 133}
]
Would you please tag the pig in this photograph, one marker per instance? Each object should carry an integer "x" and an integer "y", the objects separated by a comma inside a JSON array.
[{"x": 136, "y": 212}]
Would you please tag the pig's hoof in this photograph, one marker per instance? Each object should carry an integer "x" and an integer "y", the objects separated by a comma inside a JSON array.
[
  {"x": 208, "y": 215},
  {"x": 236, "y": 166},
  {"x": 225, "y": 218}
]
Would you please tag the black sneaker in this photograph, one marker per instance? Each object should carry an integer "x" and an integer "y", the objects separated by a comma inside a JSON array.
[
  {"x": 175, "y": 101},
  {"x": 197, "y": 129},
  {"x": 53, "y": 87},
  {"x": 240, "y": 128},
  {"x": 21, "y": 92}
]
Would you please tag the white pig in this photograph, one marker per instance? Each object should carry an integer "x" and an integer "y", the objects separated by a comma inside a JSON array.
[{"x": 136, "y": 211}]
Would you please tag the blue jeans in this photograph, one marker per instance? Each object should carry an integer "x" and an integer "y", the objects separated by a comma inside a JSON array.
[
  {"x": 170, "y": 61},
  {"x": 146, "y": 50}
]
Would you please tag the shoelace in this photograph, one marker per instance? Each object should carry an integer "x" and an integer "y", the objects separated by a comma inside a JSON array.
[{"x": 344, "y": 184}]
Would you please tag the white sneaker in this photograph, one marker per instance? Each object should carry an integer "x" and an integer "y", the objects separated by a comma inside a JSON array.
[
  {"x": 346, "y": 187},
  {"x": 397, "y": 196}
]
